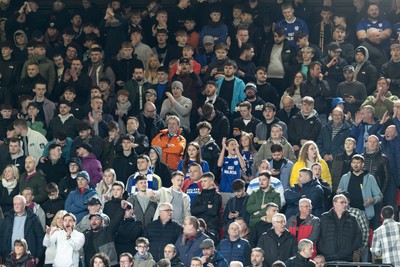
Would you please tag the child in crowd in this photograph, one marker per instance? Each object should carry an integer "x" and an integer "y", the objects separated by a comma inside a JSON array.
[
  {"x": 54, "y": 203},
  {"x": 143, "y": 257},
  {"x": 231, "y": 165}
]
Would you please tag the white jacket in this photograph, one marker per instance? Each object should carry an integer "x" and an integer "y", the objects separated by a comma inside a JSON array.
[
  {"x": 36, "y": 143},
  {"x": 67, "y": 250}
]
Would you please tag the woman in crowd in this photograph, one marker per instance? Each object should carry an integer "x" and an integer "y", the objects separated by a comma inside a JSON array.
[
  {"x": 192, "y": 154},
  {"x": 56, "y": 224},
  {"x": 309, "y": 154},
  {"x": 100, "y": 259},
  {"x": 248, "y": 151},
  {"x": 20, "y": 255},
  {"x": 8, "y": 187},
  {"x": 158, "y": 167},
  {"x": 294, "y": 89},
  {"x": 104, "y": 187},
  {"x": 151, "y": 69}
]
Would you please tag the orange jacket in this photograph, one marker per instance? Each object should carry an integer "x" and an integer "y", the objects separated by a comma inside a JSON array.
[{"x": 170, "y": 155}]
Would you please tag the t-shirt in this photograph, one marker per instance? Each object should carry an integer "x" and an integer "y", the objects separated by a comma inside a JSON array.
[
  {"x": 231, "y": 171},
  {"x": 291, "y": 29},
  {"x": 226, "y": 90},
  {"x": 177, "y": 202},
  {"x": 193, "y": 190}
]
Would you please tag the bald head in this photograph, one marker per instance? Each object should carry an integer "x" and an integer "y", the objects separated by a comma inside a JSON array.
[
  {"x": 372, "y": 144},
  {"x": 373, "y": 35},
  {"x": 390, "y": 133}
]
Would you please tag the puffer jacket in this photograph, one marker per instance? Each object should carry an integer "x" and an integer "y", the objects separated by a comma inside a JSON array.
[
  {"x": 304, "y": 128},
  {"x": 170, "y": 155},
  {"x": 238, "y": 250},
  {"x": 277, "y": 248},
  {"x": 377, "y": 164},
  {"x": 338, "y": 238},
  {"x": 160, "y": 235}
]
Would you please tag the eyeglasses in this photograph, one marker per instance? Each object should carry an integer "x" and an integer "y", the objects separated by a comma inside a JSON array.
[{"x": 169, "y": 210}]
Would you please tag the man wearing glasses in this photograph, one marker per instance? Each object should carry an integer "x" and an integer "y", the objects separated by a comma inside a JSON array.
[
  {"x": 340, "y": 233},
  {"x": 277, "y": 242},
  {"x": 162, "y": 231}
]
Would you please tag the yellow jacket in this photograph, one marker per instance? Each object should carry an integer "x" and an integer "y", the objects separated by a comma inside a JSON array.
[{"x": 325, "y": 175}]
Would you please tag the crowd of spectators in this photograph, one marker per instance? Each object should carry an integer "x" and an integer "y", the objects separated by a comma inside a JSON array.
[{"x": 216, "y": 133}]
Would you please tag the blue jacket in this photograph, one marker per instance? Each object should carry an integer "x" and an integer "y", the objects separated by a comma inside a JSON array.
[
  {"x": 311, "y": 190},
  {"x": 326, "y": 145},
  {"x": 370, "y": 189},
  {"x": 76, "y": 202},
  {"x": 286, "y": 171},
  {"x": 238, "y": 92},
  {"x": 358, "y": 133},
  {"x": 238, "y": 250},
  {"x": 188, "y": 249},
  {"x": 217, "y": 260}
]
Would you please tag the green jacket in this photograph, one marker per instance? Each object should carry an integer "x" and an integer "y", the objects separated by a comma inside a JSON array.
[{"x": 258, "y": 198}]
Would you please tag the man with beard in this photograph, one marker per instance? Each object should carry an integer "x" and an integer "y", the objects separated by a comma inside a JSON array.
[
  {"x": 150, "y": 123},
  {"x": 362, "y": 186},
  {"x": 186, "y": 74},
  {"x": 266, "y": 91},
  {"x": 54, "y": 165},
  {"x": 351, "y": 91},
  {"x": 46, "y": 66},
  {"x": 27, "y": 83},
  {"x": 246, "y": 122},
  {"x": 136, "y": 88},
  {"x": 278, "y": 57},
  {"x": 211, "y": 96},
  {"x": 177, "y": 103},
  {"x": 97, "y": 69},
  {"x": 74, "y": 77},
  {"x": 246, "y": 69},
  {"x": 141, "y": 142},
  {"x": 100, "y": 238},
  {"x": 256, "y": 102},
  {"x": 230, "y": 87},
  {"x": 67, "y": 241},
  {"x": 364, "y": 71},
  {"x": 257, "y": 257}
]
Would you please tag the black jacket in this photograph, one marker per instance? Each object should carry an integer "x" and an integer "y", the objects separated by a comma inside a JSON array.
[
  {"x": 220, "y": 127},
  {"x": 33, "y": 233},
  {"x": 368, "y": 75},
  {"x": 125, "y": 166},
  {"x": 210, "y": 153},
  {"x": 128, "y": 231},
  {"x": 157, "y": 126},
  {"x": 6, "y": 199},
  {"x": 338, "y": 238},
  {"x": 199, "y": 207},
  {"x": 161, "y": 169},
  {"x": 103, "y": 239},
  {"x": 299, "y": 261},
  {"x": 160, "y": 235},
  {"x": 277, "y": 248},
  {"x": 51, "y": 207},
  {"x": 257, "y": 231},
  {"x": 304, "y": 128},
  {"x": 288, "y": 57},
  {"x": 377, "y": 164},
  {"x": 319, "y": 90}
]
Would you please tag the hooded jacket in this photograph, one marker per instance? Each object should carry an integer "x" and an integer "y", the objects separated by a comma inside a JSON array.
[
  {"x": 93, "y": 167},
  {"x": 160, "y": 168},
  {"x": 365, "y": 72},
  {"x": 46, "y": 69}
]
